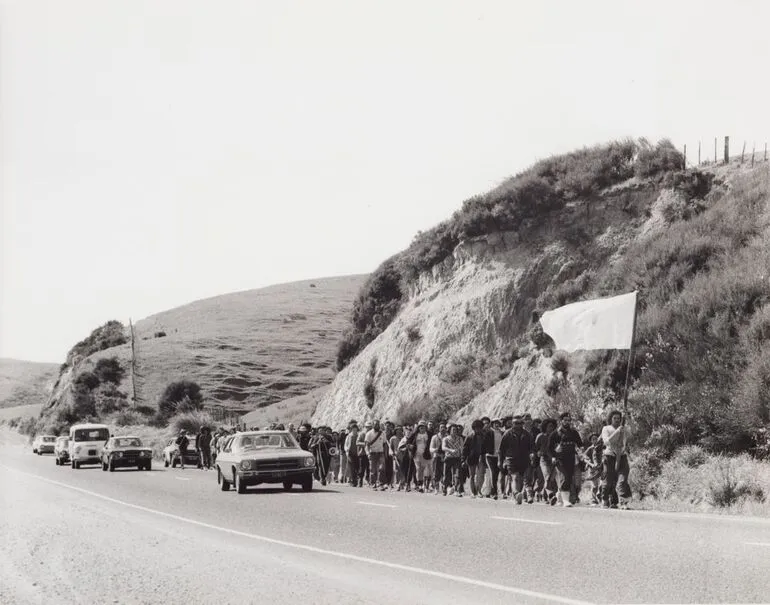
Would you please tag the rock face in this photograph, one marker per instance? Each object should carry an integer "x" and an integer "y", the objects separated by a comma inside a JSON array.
[{"x": 451, "y": 338}]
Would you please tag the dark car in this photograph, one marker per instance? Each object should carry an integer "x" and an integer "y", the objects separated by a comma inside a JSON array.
[
  {"x": 126, "y": 452},
  {"x": 61, "y": 450},
  {"x": 264, "y": 457}
]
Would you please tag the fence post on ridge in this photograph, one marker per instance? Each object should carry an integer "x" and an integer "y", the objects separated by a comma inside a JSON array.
[
  {"x": 727, "y": 150},
  {"x": 133, "y": 361}
]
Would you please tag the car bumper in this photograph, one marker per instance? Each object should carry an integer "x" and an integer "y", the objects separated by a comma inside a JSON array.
[
  {"x": 87, "y": 459},
  {"x": 128, "y": 462},
  {"x": 280, "y": 476},
  {"x": 45, "y": 449}
]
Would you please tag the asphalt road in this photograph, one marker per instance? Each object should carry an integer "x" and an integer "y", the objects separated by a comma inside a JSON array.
[{"x": 170, "y": 536}]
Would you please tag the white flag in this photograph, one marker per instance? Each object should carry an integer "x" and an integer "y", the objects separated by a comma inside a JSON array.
[{"x": 602, "y": 323}]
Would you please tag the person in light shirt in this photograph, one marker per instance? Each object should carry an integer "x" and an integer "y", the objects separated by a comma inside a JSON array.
[
  {"x": 375, "y": 443},
  {"x": 615, "y": 462},
  {"x": 420, "y": 440}
]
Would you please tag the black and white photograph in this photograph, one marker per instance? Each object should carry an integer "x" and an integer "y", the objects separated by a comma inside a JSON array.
[{"x": 352, "y": 302}]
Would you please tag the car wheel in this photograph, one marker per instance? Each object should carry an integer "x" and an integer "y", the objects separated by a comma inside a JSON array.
[
  {"x": 240, "y": 486},
  {"x": 173, "y": 463},
  {"x": 287, "y": 485},
  {"x": 148, "y": 466},
  {"x": 224, "y": 484},
  {"x": 111, "y": 465},
  {"x": 307, "y": 484},
  {"x": 57, "y": 462},
  {"x": 104, "y": 465},
  {"x": 165, "y": 462},
  {"x": 39, "y": 453}
]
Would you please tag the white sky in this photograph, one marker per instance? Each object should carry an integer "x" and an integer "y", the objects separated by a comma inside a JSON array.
[{"x": 158, "y": 152}]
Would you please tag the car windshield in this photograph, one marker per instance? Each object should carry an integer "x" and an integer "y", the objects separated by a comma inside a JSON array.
[
  {"x": 49, "y": 439},
  {"x": 128, "y": 442},
  {"x": 255, "y": 442},
  {"x": 61, "y": 441},
  {"x": 92, "y": 434}
]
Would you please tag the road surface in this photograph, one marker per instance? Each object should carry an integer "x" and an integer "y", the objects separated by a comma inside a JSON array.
[{"x": 170, "y": 536}]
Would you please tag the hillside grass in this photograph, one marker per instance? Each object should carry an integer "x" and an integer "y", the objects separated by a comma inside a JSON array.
[{"x": 25, "y": 382}]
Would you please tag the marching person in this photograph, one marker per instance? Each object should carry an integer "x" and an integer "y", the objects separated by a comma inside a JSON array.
[
  {"x": 363, "y": 458},
  {"x": 405, "y": 460},
  {"x": 419, "y": 443},
  {"x": 492, "y": 437},
  {"x": 516, "y": 450},
  {"x": 547, "y": 468},
  {"x": 437, "y": 457},
  {"x": 562, "y": 447},
  {"x": 593, "y": 459},
  {"x": 453, "y": 449},
  {"x": 182, "y": 442},
  {"x": 390, "y": 430},
  {"x": 351, "y": 451},
  {"x": 320, "y": 446},
  {"x": 374, "y": 446},
  {"x": 615, "y": 462},
  {"x": 473, "y": 451},
  {"x": 203, "y": 445}
]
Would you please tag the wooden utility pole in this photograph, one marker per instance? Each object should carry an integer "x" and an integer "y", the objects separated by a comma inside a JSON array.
[
  {"x": 743, "y": 151},
  {"x": 133, "y": 360},
  {"x": 684, "y": 159},
  {"x": 727, "y": 150},
  {"x": 715, "y": 152},
  {"x": 753, "y": 151},
  {"x": 698, "y": 153}
]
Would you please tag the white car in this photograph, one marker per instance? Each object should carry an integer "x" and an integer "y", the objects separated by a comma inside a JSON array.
[
  {"x": 43, "y": 444},
  {"x": 86, "y": 443}
]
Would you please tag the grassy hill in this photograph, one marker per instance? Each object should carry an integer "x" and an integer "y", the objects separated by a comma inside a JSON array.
[
  {"x": 25, "y": 382},
  {"x": 246, "y": 350}
]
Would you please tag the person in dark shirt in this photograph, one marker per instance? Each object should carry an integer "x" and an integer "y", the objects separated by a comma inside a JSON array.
[
  {"x": 563, "y": 446},
  {"x": 516, "y": 450}
]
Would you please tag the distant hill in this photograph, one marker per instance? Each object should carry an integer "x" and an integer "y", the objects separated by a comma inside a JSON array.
[
  {"x": 246, "y": 350},
  {"x": 25, "y": 382}
]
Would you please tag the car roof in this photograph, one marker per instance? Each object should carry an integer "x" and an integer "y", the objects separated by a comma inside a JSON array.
[
  {"x": 252, "y": 433},
  {"x": 88, "y": 425},
  {"x": 127, "y": 437}
]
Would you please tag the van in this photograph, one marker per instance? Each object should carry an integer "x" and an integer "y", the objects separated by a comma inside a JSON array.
[{"x": 86, "y": 443}]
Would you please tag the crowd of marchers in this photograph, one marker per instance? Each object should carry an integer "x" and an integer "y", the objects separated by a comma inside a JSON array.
[{"x": 516, "y": 457}]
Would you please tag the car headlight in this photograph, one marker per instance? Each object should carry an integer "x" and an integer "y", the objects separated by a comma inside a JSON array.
[
  {"x": 77, "y": 449},
  {"x": 310, "y": 461},
  {"x": 118, "y": 454},
  {"x": 145, "y": 453},
  {"x": 245, "y": 465}
]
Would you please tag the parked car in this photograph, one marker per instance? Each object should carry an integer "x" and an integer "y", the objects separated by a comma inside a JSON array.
[
  {"x": 258, "y": 457},
  {"x": 61, "y": 450},
  {"x": 86, "y": 443},
  {"x": 171, "y": 455},
  {"x": 126, "y": 451},
  {"x": 43, "y": 444}
]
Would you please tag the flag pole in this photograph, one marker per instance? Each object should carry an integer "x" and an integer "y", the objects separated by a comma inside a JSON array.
[
  {"x": 628, "y": 373},
  {"x": 630, "y": 356}
]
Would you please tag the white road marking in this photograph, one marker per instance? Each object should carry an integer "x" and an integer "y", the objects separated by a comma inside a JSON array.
[
  {"x": 377, "y": 504},
  {"x": 757, "y": 543},
  {"x": 321, "y": 551},
  {"x": 182, "y": 478},
  {"x": 528, "y": 520}
]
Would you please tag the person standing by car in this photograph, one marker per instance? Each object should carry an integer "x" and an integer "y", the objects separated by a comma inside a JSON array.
[
  {"x": 203, "y": 443},
  {"x": 182, "y": 442}
]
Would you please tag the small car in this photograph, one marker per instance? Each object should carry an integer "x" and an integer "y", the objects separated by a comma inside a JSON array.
[
  {"x": 86, "y": 443},
  {"x": 126, "y": 451},
  {"x": 171, "y": 455},
  {"x": 61, "y": 450},
  {"x": 43, "y": 444},
  {"x": 255, "y": 457}
]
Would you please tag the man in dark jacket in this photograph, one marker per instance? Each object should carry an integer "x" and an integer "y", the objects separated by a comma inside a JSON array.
[
  {"x": 203, "y": 445},
  {"x": 516, "y": 449},
  {"x": 473, "y": 451},
  {"x": 304, "y": 436},
  {"x": 320, "y": 445},
  {"x": 562, "y": 447},
  {"x": 182, "y": 442}
]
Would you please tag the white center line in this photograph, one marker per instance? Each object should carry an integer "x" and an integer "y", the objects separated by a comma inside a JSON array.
[
  {"x": 527, "y": 520},
  {"x": 377, "y": 504},
  {"x": 757, "y": 543},
  {"x": 314, "y": 549},
  {"x": 182, "y": 478}
]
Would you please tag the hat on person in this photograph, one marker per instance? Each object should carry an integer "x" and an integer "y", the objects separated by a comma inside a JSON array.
[
  {"x": 303, "y": 428},
  {"x": 422, "y": 423},
  {"x": 368, "y": 424}
]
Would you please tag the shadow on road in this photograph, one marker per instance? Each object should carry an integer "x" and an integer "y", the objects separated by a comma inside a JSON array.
[{"x": 256, "y": 491}]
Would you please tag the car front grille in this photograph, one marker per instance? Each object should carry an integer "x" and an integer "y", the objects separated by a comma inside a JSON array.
[
  {"x": 92, "y": 452},
  {"x": 280, "y": 464}
]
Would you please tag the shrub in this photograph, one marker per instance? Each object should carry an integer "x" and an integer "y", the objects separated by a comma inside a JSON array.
[
  {"x": 413, "y": 333},
  {"x": 128, "y": 418},
  {"x": 109, "y": 370},
  {"x": 652, "y": 160},
  {"x": 160, "y": 334},
  {"x": 111, "y": 334},
  {"x": 370, "y": 392},
  {"x": 86, "y": 381},
  {"x": 645, "y": 466},
  {"x": 691, "y": 456},
  {"x": 192, "y": 422},
  {"x": 727, "y": 488},
  {"x": 178, "y": 396},
  {"x": 27, "y": 426},
  {"x": 560, "y": 365},
  {"x": 145, "y": 410}
]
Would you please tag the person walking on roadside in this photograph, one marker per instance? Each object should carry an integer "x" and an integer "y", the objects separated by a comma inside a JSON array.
[
  {"x": 419, "y": 442},
  {"x": 374, "y": 446},
  {"x": 473, "y": 450},
  {"x": 203, "y": 444},
  {"x": 393, "y": 446},
  {"x": 593, "y": 455},
  {"x": 182, "y": 442},
  {"x": 437, "y": 457},
  {"x": 320, "y": 444},
  {"x": 615, "y": 468},
  {"x": 304, "y": 436},
  {"x": 547, "y": 468},
  {"x": 492, "y": 437},
  {"x": 516, "y": 450},
  {"x": 453, "y": 449},
  {"x": 505, "y": 479},
  {"x": 363, "y": 458},
  {"x": 351, "y": 451},
  {"x": 387, "y": 460},
  {"x": 563, "y": 444},
  {"x": 405, "y": 460}
]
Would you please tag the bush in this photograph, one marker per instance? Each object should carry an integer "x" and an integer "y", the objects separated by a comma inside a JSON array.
[
  {"x": 87, "y": 381},
  {"x": 111, "y": 334},
  {"x": 128, "y": 418},
  {"x": 145, "y": 410},
  {"x": 652, "y": 160},
  {"x": 727, "y": 488},
  {"x": 645, "y": 468},
  {"x": 691, "y": 456},
  {"x": 160, "y": 334},
  {"x": 109, "y": 370},
  {"x": 192, "y": 422},
  {"x": 183, "y": 395}
]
